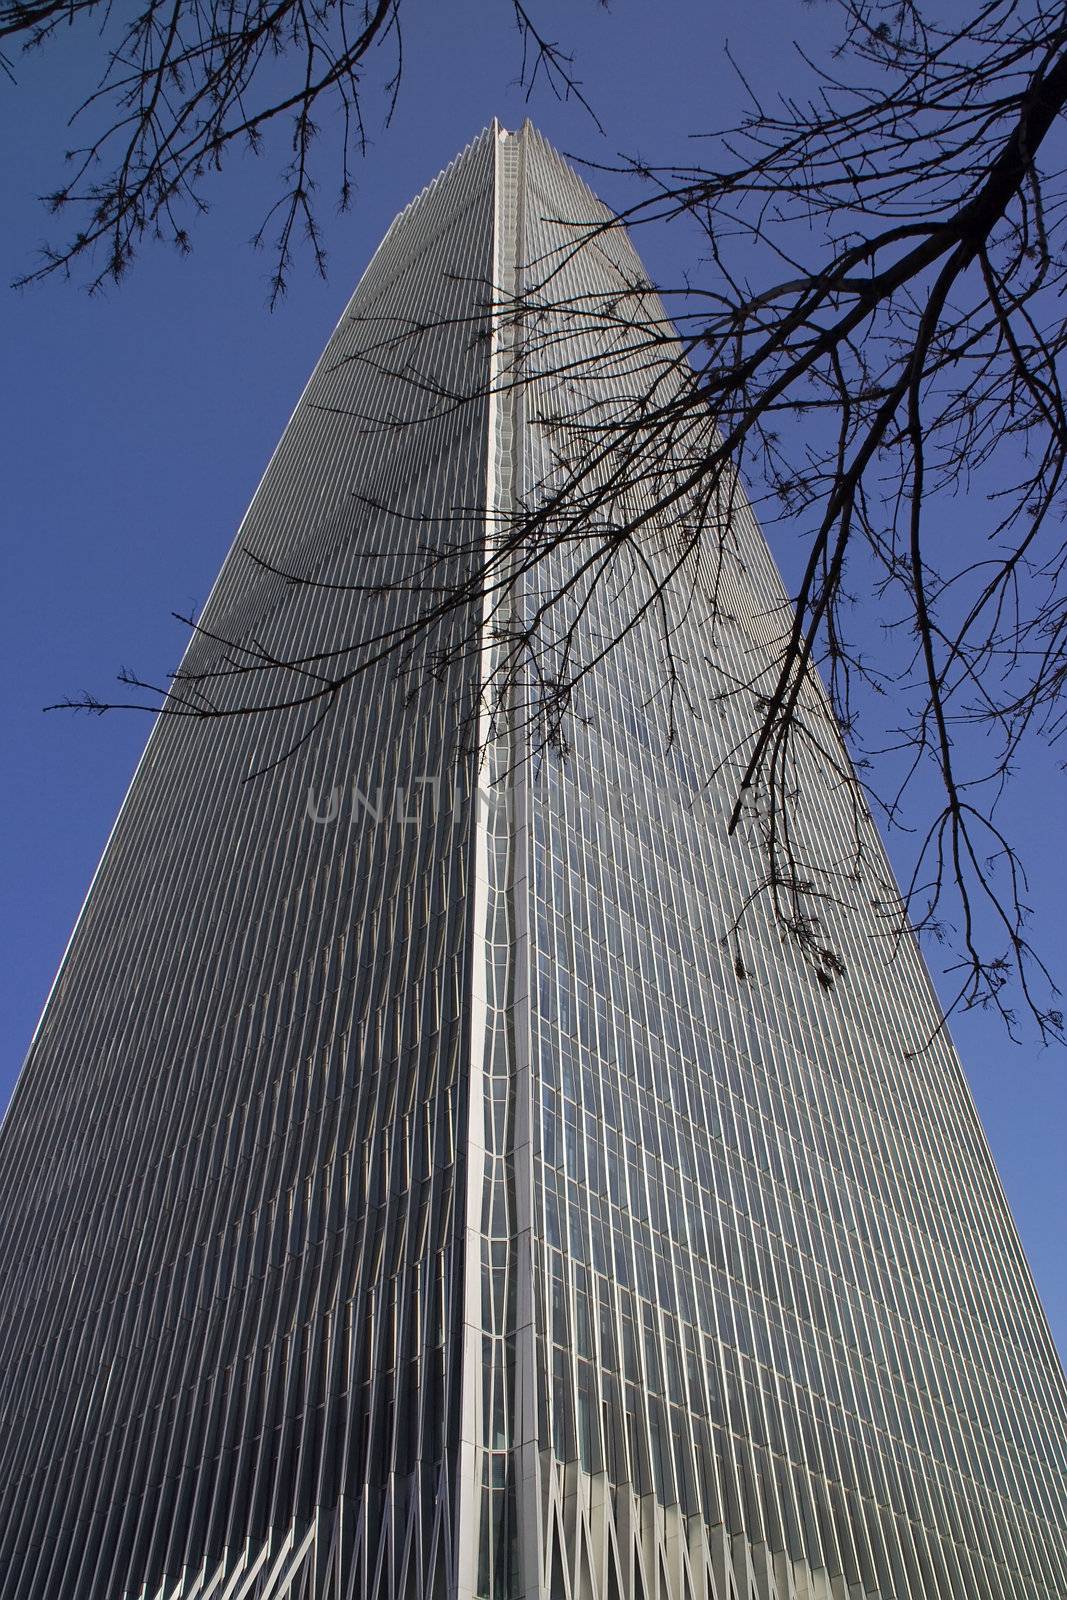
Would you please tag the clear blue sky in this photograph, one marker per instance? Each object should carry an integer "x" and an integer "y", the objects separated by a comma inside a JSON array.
[{"x": 136, "y": 426}]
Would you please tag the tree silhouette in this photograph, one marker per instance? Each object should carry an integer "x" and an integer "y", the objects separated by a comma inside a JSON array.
[
  {"x": 186, "y": 84},
  {"x": 877, "y": 325}
]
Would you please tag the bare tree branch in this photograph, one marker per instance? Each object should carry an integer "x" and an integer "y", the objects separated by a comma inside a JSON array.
[
  {"x": 876, "y": 328},
  {"x": 187, "y": 84}
]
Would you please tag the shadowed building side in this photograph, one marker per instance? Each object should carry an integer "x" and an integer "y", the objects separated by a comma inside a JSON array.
[{"x": 231, "y": 1174}]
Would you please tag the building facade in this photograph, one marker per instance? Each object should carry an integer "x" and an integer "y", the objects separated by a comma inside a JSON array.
[{"x": 421, "y": 1183}]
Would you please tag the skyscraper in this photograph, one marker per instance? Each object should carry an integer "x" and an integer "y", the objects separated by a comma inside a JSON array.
[{"x": 418, "y": 1185}]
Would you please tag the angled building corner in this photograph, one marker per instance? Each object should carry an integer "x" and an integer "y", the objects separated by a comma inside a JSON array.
[{"x": 408, "y": 1194}]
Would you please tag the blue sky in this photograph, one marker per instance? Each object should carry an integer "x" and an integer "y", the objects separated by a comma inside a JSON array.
[{"x": 137, "y": 424}]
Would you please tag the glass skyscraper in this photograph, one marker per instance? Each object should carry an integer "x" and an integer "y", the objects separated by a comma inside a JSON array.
[{"x": 422, "y": 1185}]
